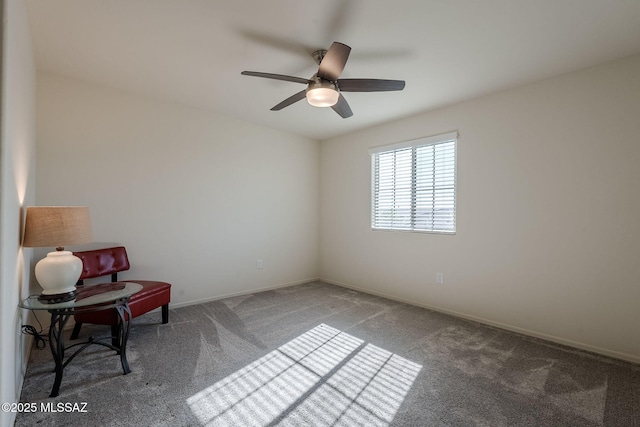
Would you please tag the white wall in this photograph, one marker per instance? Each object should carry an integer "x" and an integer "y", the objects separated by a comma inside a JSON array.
[
  {"x": 17, "y": 185},
  {"x": 196, "y": 197},
  {"x": 547, "y": 239},
  {"x": 548, "y": 224}
]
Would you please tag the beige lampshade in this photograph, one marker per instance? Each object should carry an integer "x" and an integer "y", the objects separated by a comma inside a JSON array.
[{"x": 56, "y": 226}]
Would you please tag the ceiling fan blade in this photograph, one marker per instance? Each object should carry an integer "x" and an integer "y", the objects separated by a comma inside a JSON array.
[
  {"x": 369, "y": 85},
  {"x": 342, "y": 108},
  {"x": 290, "y": 100},
  {"x": 276, "y": 77},
  {"x": 334, "y": 61}
]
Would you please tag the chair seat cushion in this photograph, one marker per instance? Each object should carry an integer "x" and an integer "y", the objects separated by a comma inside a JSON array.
[{"x": 152, "y": 295}]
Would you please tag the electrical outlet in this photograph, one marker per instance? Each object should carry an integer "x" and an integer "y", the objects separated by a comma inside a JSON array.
[
  {"x": 259, "y": 264},
  {"x": 440, "y": 278}
]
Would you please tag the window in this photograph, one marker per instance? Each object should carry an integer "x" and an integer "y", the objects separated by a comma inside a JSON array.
[{"x": 414, "y": 185}]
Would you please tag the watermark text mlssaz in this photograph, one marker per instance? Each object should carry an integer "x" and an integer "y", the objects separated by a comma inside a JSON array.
[{"x": 45, "y": 407}]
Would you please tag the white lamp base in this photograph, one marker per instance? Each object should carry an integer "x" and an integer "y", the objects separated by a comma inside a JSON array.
[{"x": 58, "y": 274}]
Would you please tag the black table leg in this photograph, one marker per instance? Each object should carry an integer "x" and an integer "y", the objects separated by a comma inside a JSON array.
[
  {"x": 124, "y": 323},
  {"x": 56, "y": 343},
  {"x": 106, "y": 296}
]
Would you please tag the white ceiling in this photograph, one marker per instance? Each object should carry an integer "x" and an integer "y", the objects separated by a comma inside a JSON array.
[{"x": 192, "y": 51}]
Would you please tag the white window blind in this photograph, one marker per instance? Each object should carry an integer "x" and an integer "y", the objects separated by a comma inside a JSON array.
[{"x": 414, "y": 185}]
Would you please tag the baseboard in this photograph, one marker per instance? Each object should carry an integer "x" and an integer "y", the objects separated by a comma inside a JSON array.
[
  {"x": 70, "y": 324},
  {"x": 25, "y": 353},
  {"x": 24, "y": 363},
  {"x": 551, "y": 338},
  {"x": 247, "y": 292},
  {"x": 557, "y": 340}
]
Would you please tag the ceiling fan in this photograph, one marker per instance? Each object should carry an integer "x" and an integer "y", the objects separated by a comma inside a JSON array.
[{"x": 324, "y": 87}]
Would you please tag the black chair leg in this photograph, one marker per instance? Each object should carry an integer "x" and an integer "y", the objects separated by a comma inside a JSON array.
[
  {"x": 165, "y": 314},
  {"x": 76, "y": 330}
]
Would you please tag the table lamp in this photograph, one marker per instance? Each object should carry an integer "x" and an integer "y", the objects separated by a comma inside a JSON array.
[{"x": 57, "y": 226}]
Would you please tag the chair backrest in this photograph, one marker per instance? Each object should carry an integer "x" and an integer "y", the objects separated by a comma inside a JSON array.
[{"x": 102, "y": 262}]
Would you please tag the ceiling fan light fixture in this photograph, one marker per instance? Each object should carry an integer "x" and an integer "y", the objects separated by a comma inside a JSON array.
[
  {"x": 323, "y": 94},
  {"x": 322, "y": 97}
]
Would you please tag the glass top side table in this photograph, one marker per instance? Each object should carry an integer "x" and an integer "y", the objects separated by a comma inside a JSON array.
[{"x": 89, "y": 298}]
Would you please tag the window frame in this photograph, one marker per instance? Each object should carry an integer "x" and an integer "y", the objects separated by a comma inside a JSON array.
[{"x": 414, "y": 144}]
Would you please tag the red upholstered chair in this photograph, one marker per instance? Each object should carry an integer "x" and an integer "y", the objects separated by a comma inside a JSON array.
[{"x": 111, "y": 261}]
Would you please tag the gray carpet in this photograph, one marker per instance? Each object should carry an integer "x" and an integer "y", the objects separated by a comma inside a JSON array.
[{"x": 318, "y": 354}]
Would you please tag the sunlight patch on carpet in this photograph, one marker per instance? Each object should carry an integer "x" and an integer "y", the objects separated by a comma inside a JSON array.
[{"x": 322, "y": 377}]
